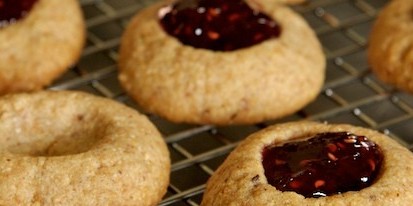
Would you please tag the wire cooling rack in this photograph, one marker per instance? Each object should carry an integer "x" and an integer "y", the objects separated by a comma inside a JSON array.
[{"x": 351, "y": 93}]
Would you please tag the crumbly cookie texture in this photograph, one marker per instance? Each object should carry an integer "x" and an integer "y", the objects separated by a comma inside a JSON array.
[
  {"x": 40, "y": 47},
  {"x": 72, "y": 148},
  {"x": 390, "y": 51},
  {"x": 183, "y": 84},
  {"x": 240, "y": 180}
]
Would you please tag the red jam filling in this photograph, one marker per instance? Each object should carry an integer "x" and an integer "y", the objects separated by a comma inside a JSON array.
[
  {"x": 220, "y": 25},
  {"x": 326, "y": 164},
  {"x": 13, "y": 10}
]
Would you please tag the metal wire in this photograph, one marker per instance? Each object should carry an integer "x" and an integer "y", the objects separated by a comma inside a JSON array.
[{"x": 351, "y": 93}]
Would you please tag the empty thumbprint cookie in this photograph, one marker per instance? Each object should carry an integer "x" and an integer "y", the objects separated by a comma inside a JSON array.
[
  {"x": 220, "y": 61},
  {"x": 39, "y": 40},
  {"x": 390, "y": 51},
  {"x": 73, "y": 148},
  {"x": 308, "y": 163}
]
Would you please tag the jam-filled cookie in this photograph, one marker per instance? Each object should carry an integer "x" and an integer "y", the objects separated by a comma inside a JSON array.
[
  {"x": 390, "y": 49},
  {"x": 39, "y": 40},
  {"x": 220, "y": 61},
  {"x": 308, "y": 163}
]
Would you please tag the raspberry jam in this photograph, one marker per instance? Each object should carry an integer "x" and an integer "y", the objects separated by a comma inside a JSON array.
[
  {"x": 326, "y": 164},
  {"x": 13, "y": 10},
  {"x": 220, "y": 25}
]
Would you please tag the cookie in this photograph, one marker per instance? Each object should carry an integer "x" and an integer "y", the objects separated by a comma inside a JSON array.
[
  {"x": 267, "y": 72},
  {"x": 390, "y": 51},
  {"x": 39, "y": 40},
  {"x": 73, "y": 148},
  {"x": 308, "y": 163}
]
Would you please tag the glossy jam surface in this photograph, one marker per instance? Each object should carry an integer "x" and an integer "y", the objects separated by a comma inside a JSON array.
[
  {"x": 13, "y": 10},
  {"x": 220, "y": 25},
  {"x": 326, "y": 164}
]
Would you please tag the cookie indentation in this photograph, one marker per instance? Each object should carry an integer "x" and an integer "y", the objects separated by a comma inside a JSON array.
[
  {"x": 220, "y": 25},
  {"x": 13, "y": 10},
  {"x": 326, "y": 164}
]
